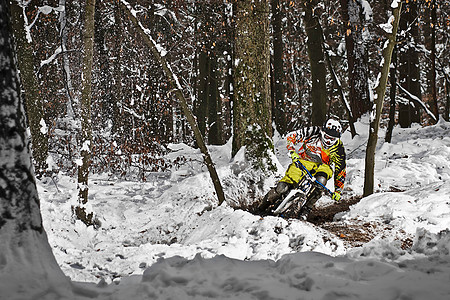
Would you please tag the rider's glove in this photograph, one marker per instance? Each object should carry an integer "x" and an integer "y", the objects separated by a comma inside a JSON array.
[
  {"x": 336, "y": 196},
  {"x": 294, "y": 156}
]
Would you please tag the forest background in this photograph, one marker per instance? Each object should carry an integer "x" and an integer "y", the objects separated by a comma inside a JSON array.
[{"x": 98, "y": 98}]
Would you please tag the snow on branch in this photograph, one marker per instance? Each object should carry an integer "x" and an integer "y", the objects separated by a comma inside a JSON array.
[
  {"x": 131, "y": 112},
  {"x": 162, "y": 52},
  {"x": 416, "y": 100},
  {"x": 367, "y": 10},
  {"x": 52, "y": 57},
  {"x": 387, "y": 27},
  {"x": 42, "y": 9},
  {"x": 173, "y": 81},
  {"x": 395, "y": 3}
]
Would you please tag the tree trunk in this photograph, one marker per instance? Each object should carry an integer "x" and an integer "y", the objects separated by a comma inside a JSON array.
[
  {"x": 380, "y": 92},
  {"x": 447, "y": 97},
  {"x": 34, "y": 104},
  {"x": 208, "y": 107},
  {"x": 27, "y": 262},
  {"x": 392, "y": 94},
  {"x": 278, "y": 70},
  {"x": 201, "y": 105},
  {"x": 67, "y": 77},
  {"x": 104, "y": 74},
  {"x": 433, "y": 60},
  {"x": 409, "y": 72},
  {"x": 229, "y": 80},
  {"x": 117, "y": 90},
  {"x": 317, "y": 63},
  {"x": 177, "y": 89},
  {"x": 336, "y": 81},
  {"x": 357, "y": 57},
  {"x": 214, "y": 104},
  {"x": 252, "y": 106},
  {"x": 86, "y": 122}
]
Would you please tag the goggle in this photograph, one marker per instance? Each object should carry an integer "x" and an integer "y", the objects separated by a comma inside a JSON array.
[{"x": 328, "y": 139}]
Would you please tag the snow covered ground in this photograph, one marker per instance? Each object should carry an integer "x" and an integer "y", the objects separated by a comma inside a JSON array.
[{"x": 167, "y": 238}]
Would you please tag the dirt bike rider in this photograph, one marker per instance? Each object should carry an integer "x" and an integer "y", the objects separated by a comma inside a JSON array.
[{"x": 318, "y": 149}]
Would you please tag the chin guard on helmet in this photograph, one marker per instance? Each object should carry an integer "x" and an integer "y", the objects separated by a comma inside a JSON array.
[{"x": 330, "y": 133}]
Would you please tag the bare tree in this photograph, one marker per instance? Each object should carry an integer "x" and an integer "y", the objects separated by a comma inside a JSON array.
[
  {"x": 338, "y": 86},
  {"x": 392, "y": 95},
  {"x": 177, "y": 89},
  {"x": 86, "y": 122},
  {"x": 317, "y": 63},
  {"x": 380, "y": 90},
  {"x": 279, "y": 110},
  {"x": 27, "y": 261},
  {"x": 34, "y": 103},
  {"x": 354, "y": 18},
  {"x": 252, "y": 112},
  {"x": 408, "y": 64},
  {"x": 430, "y": 43}
]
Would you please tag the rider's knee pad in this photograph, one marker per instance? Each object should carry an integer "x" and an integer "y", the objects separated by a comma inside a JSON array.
[{"x": 282, "y": 187}]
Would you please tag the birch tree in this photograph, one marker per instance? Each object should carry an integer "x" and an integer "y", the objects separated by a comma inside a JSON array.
[{"x": 391, "y": 29}]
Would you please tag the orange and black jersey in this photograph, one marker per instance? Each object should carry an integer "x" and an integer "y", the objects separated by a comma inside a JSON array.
[{"x": 310, "y": 148}]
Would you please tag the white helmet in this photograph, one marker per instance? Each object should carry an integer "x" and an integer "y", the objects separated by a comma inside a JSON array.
[{"x": 331, "y": 132}]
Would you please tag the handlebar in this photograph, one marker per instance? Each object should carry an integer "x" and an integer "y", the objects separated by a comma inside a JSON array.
[{"x": 299, "y": 165}]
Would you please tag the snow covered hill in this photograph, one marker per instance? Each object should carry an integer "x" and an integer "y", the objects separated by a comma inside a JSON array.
[{"x": 166, "y": 238}]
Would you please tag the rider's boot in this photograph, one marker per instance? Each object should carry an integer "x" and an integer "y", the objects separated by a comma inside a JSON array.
[
  {"x": 308, "y": 206},
  {"x": 304, "y": 212},
  {"x": 273, "y": 194}
]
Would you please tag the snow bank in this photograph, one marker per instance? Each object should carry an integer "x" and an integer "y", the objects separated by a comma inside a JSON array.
[
  {"x": 167, "y": 237},
  {"x": 308, "y": 275}
]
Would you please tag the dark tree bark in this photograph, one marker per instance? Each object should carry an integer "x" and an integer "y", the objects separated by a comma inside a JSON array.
[
  {"x": 341, "y": 92},
  {"x": 27, "y": 262},
  {"x": 65, "y": 64},
  {"x": 34, "y": 103},
  {"x": 432, "y": 71},
  {"x": 392, "y": 95},
  {"x": 357, "y": 57},
  {"x": 201, "y": 107},
  {"x": 317, "y": 62},
  {"x": 117, "y": 93},
  {"x": 252, "y": 106},
  {"x": 279, "y": 112},
  {"x": 208, "y": 107},
  {"x": 408, "y": 65},
  {"x": 215, "y": 123},
  {"x": 447, "y": 97},
  {"x": 229, "y": 80},
  {"x": 104, "y": 74}
]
